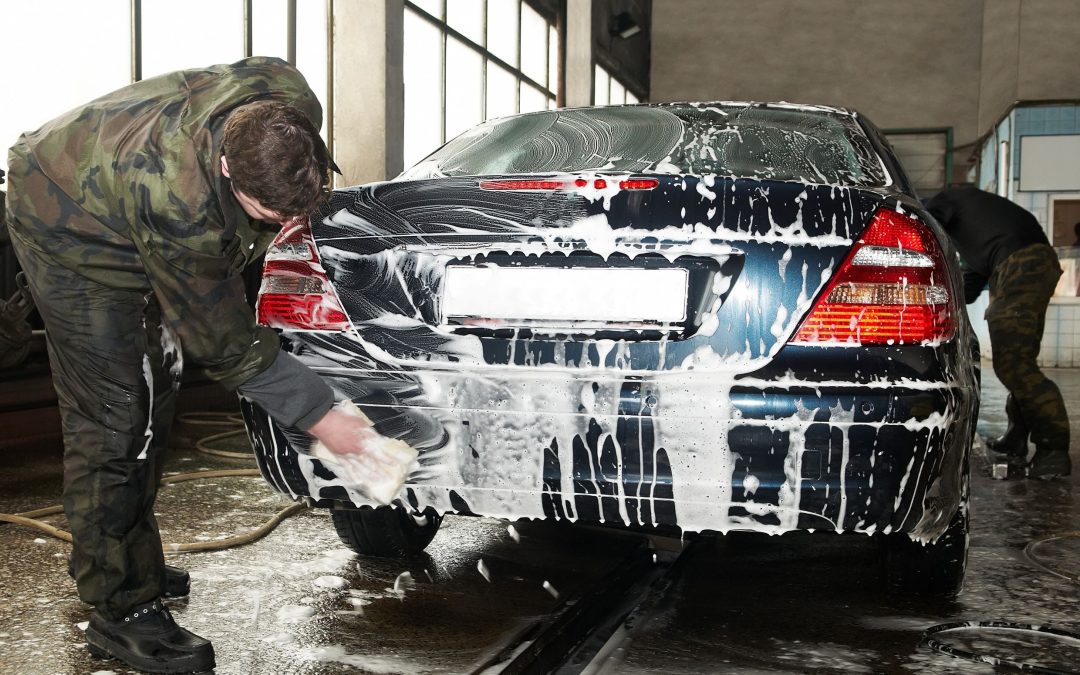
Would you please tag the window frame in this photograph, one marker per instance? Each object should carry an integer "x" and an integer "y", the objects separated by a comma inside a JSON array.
[
  {"x": 946, "y": 133},
  {"x": 489, "y": 58},
  {"x": 628, "y": 90}
]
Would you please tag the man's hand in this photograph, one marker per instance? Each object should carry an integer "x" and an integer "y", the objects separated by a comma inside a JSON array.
[
  {"x": 348, "y": 443},
  {"x": 341, "y": 432}
]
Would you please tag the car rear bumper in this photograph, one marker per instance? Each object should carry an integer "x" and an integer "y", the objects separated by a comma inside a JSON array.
[{"x": 692, "y": 450}]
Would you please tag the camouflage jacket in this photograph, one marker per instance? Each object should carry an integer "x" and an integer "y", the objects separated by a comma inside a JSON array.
[{"x": 153, "y": 211}]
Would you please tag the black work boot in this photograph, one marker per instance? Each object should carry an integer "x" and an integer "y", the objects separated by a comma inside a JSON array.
[
  {"x": 1014, "y": 443},
  {"x": 177, "y": 581},
  {"x": 1007, "y": 447},
  {"x": 1048, "y": 464},
  {"x": 148, "y": 639}
]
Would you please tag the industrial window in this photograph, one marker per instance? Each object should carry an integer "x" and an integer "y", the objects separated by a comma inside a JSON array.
[
  {"x": 203, "y": 43},
  {"x": 225, "y": 40},
  {"x": 270, "y": 36},
  {"x": 163, "y": 34},
  {"x": 467, "y": 61},
  {"x": 926, "y": 155},
  {"x": 56, "y": 82},
  {"x": 608, "y": 90}
]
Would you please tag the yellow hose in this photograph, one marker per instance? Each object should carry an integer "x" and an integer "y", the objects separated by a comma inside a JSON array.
[
  {"x": 30, "y": 518},
  {"x": 203, "y": 445},
  {"x": 37, "y": 524}
]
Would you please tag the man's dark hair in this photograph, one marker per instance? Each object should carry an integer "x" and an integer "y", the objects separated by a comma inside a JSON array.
[{"x": 276, "y": 155}]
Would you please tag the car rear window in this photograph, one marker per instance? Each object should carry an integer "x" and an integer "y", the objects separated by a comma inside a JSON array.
[{"x": 746, "y": 141}]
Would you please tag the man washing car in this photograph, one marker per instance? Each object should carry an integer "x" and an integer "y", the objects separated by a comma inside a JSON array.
[
  {"x": 1003, "y": 244},
  {"x": 133, "y": 217}
]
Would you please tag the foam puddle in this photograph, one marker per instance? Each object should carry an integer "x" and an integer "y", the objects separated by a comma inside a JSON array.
[
  {"x": 295, "y": 613},
  {"x": 330, "y": 582},
  {"x": 369, "y": 664}
]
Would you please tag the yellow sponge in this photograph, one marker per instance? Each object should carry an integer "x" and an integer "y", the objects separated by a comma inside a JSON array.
[{"x": 379, "y": 468}]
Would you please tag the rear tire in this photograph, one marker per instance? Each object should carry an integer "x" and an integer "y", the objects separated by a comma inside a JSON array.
[
  {"x": 386, "y": 531},
  {"x": 934, "y": 569}
]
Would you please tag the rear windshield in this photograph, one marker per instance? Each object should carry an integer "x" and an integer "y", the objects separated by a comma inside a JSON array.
[{"x": 807, "y": 145}]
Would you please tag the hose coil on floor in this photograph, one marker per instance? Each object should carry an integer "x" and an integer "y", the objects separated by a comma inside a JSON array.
[
  {"x": 203, "y": 445},
  {"x": 1031, "y": 557},
  {"x": 950, "y": 650}
]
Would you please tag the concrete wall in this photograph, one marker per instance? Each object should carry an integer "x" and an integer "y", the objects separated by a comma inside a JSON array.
[
  {"x": 1029, "y": 53},
  {"x": 903, "y": 64},
  {"x": 627, "y": 58},
  {"x": 368, "y": 92},
  {"x": 916, "y": 63},
  {"x": 1000, "y": 60},
  {"x": 1049, "y": 59}
]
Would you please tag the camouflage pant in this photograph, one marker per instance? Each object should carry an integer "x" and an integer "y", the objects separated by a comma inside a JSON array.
[
  {"x": 1020, "y": 291},
  {"x": 116, "y": 372}
]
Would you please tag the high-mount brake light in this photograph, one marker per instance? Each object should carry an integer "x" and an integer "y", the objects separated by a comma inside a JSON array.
[
  {"x": 528, "y": 184},
  {"x": 516, "y": 184},
  {"x": 893, "y": 288},
  {"x": 639, "y": 184},
  {"x": 295, "y": 292}
]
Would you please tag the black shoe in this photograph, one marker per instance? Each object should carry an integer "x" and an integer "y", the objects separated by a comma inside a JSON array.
[
  {"x": 177, "y": 581},
  {"x": 1008, "y": 448},
  {"x": 1049, "y": 464},
  {"x": 148, "y": 639}
]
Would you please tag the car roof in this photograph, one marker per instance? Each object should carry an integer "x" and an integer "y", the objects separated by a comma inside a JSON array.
[{"x": 705, "y": 105}]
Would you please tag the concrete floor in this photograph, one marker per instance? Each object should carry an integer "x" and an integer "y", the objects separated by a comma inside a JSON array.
[{"x": 299, "y": 602}]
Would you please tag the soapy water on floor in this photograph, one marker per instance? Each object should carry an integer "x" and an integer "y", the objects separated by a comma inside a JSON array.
[
  {"x": 330, "y": 581},
  {"x": 325, "y": 604},
  {"x": 282, "y": 624}
]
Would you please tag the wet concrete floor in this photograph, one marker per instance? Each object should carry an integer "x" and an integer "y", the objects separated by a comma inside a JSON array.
[{"x": 297, "y": 601}]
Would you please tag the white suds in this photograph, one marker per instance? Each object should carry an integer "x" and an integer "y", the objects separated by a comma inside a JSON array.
[
  {"x": 149, "y": 433},
  {"x": 403, "y": 581},
  {"x": 551, "y": 589},
  {"x": 279, "y": 639},
  {"x": 330, "y": 581},
  {"x": 295, "y": 613}
]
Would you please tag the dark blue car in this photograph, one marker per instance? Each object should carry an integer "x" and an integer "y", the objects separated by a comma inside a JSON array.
[{"x": 722, "y": 316}]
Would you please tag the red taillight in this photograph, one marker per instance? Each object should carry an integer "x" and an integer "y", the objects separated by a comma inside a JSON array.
[
  {"x": 295, "y": 292},
  {"x": 558, "y": 184},
  {"x": 893, "y": 288}
]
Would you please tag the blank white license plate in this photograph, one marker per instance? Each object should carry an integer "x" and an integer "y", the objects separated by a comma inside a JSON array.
[{"x": 549, "y": 294}]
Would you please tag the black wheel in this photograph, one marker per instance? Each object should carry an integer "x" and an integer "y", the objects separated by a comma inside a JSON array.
[
  {"x": 386, "y": 531},
  {"x": 934, "y": 569}
]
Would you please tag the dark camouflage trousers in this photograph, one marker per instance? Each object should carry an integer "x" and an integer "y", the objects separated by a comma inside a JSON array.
[
  {"x": 1020, "y": 291},
  {"x": 116, "y": 371}
]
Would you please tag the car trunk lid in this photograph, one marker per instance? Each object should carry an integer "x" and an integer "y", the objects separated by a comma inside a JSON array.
[{"x": 652, "y": 272}]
